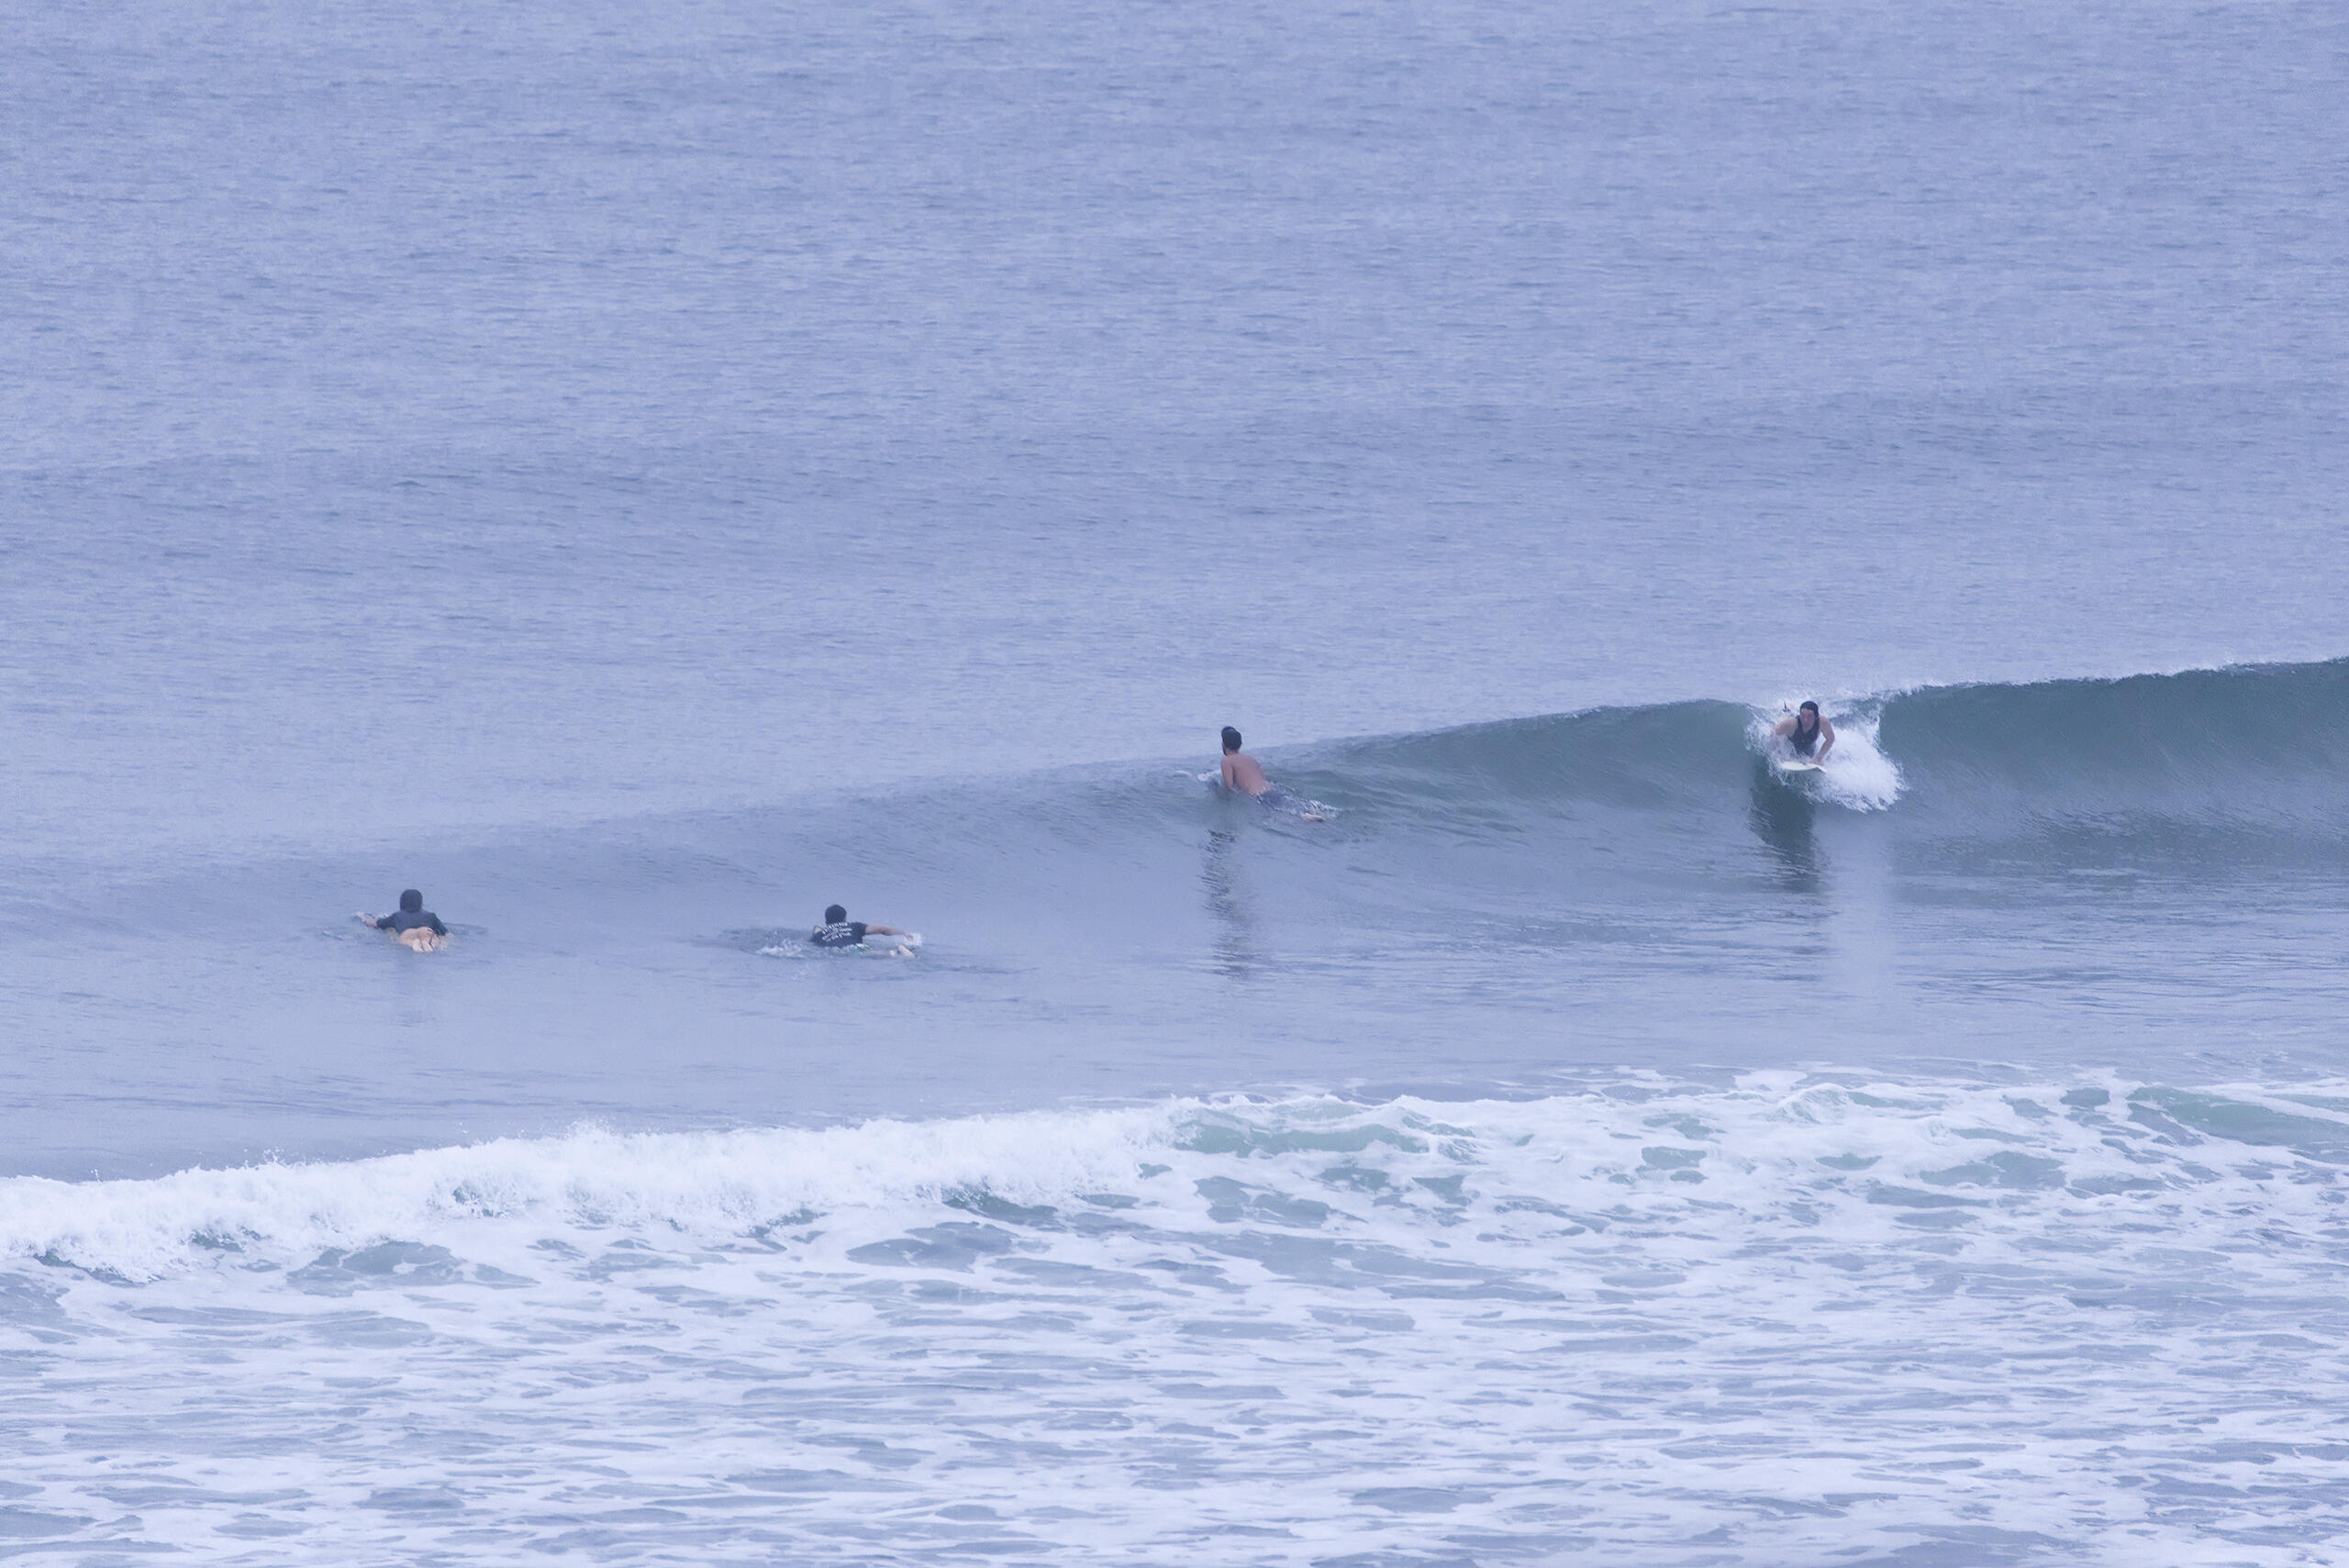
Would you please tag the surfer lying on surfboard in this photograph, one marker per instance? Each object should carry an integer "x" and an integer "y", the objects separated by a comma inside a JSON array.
[
  {"x": 414, "y": 927},
  {"x": 1808, "y": 734},
  {"x": 838, "y": 932},
  {"x": 1243, "y": 772}
]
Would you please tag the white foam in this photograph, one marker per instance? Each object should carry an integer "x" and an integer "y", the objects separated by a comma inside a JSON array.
[
  {"x": 1856, "y": 773},
  {"x": 707, "y": 1184},
  {"x": 1793, "y": 1317}
]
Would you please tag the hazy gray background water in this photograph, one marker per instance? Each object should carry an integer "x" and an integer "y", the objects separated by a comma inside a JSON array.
[
  {"x": 642, "y": 474},
  {"x": 588, "y": 411},
  {"x": 445, "y": 448}
]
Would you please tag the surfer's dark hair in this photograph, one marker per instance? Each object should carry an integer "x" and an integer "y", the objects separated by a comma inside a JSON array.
[
  {"x": 1812, "y": 706},
  {"x": 411, "y": 901},
  {"x": 834, "y": 915},
  {"x": 1230, "y": 738}
]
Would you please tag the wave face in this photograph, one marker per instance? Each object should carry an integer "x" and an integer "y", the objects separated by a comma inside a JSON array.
[
  {"x": 1769, "y": 1319},
  {"x": 2262, "y": 746},
  {"x": 2258, "y": 746},
  {"x": 2142, "y": 872}
]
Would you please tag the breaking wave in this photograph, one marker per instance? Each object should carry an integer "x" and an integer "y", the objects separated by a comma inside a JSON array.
[
  {"x": 2261, "y": 744},
  {"x": 1769, "y": 1319}
]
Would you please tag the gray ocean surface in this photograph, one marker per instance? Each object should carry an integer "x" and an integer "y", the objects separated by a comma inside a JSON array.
[{"x": 641, "y": 475}]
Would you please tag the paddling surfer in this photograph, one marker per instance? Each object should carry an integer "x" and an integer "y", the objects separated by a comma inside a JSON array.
[
  {"x": 1243, "y": 774},
  {"x": 412, "y": 925},
  {"x": 1808, "y": 734},
  {"x": 838, "y": 932},
  {"x": 1241, "y": 771}
]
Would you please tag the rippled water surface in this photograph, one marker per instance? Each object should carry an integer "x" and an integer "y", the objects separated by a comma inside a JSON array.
[{"x": 641, "y": 479}]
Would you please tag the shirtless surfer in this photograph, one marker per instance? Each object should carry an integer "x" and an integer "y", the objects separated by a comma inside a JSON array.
[
  {"x": 838, "y": 932},
  {"x": 413, "y": 927},
  {"x": 1808, "y": 734},
  {"x": 1243, "y": 774}
]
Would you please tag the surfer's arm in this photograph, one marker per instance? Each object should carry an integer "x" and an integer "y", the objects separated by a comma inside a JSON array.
[
  {"x": 1826, "y": 739},
  {"x": 1223, "y": 775},
  {"x": 372, "y": 922}
]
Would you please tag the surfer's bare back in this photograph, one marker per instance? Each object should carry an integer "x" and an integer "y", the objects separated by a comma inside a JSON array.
[{"x": 1243, "y": 772}]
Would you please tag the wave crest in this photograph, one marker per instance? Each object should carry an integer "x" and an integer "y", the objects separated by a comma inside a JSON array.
[
  {"x": 1765, "y": 1146},
  {"x": 2264, "y": 745}
]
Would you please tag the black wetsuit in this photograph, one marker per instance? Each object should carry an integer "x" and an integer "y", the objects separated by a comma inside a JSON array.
[
  {"x": 1803, "y": 741},
  {"x": 412, "y": 919},
  {"x": 839, "y": 934}
]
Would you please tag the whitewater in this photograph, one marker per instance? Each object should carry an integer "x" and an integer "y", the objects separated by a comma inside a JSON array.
[
  {"x": 1785, "y": 1316},
  {"x": 1555, "y": 1218}
]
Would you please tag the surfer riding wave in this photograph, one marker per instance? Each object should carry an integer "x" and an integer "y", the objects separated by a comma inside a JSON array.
[{"x": 1808, "y": 734}]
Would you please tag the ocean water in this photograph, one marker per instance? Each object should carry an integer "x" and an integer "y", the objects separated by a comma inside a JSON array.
[{"x": 640, "y": 477}]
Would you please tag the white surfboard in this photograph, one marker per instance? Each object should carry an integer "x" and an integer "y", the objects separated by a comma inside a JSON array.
[
  {"x": 875, "y": 945},
  {"x": 1799, "y": 765}
]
